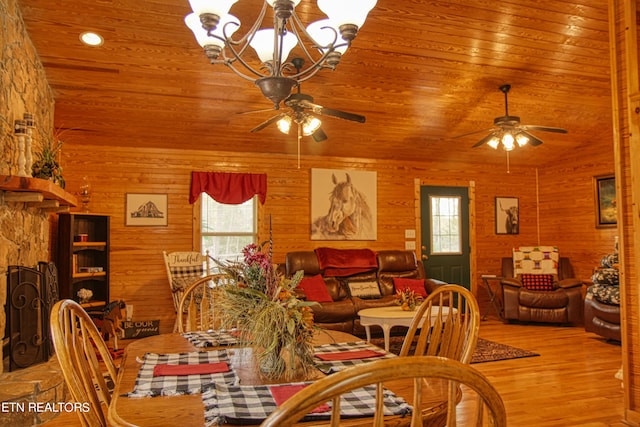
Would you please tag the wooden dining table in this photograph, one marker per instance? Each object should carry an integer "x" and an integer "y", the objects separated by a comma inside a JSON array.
[{"x": 188, "y": 409}]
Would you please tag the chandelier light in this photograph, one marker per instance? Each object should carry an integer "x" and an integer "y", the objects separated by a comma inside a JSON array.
[{"x": 322, "y": 43}]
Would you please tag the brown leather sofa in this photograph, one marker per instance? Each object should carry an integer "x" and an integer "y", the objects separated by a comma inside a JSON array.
[
  {"x": 563, "y": 305},
  {"x": 342, "y": 313}
]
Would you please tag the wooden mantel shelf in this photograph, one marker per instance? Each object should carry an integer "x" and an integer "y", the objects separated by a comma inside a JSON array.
[{"x": 41, "y": 191}]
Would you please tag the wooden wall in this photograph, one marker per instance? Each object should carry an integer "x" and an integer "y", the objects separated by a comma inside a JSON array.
[
  {"x": 137, "y": 270},
  {"x": 623, "y": 23}
]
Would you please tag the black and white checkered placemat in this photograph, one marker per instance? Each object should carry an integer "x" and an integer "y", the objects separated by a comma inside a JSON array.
[
  {"x": 147, "y": 385},
  {"x": 329, "y": 366},
  {"x": 252, "y": 404},
  {"x": 215, "y": 338}
]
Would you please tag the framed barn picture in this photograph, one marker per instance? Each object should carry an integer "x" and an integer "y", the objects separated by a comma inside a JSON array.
[
  {"x": 507, "y": 215},
  {"x": 143, "y": 210},
  {"x": 343, "y": 205}
]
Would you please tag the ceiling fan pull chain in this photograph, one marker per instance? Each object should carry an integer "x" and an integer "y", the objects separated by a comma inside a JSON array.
[{"x": 299, "y": 138}]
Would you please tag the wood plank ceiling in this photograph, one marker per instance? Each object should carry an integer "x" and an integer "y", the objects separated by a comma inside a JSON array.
[{"x": 422, "y": 72}]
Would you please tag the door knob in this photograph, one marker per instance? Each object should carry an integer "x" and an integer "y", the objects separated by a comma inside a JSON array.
[{"x": 424, "y": 257}]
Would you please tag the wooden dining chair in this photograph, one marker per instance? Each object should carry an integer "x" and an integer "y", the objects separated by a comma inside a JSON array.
[
  {"x": 197, "y": 307},
  {"x": 455, "y": 320},
  {"x": 423, "y": 369},
  {"x": 84, "y": 358},
  {"x": 182, "y": 269}
]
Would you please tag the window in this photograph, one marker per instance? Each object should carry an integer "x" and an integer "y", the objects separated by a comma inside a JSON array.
[
  {"x": 226, "y": 229},
  {"x": 445, "y": 225}
]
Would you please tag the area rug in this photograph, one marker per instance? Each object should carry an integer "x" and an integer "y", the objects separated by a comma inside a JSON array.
[{"x": 486, "y": 351}]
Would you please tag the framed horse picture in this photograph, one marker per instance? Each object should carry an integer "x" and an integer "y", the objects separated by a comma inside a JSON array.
[
  {"x": 343, "y": 205},
  {"x": 507, "y": 215}
]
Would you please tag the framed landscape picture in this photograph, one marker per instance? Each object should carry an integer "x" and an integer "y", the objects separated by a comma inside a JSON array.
[
  {"x": 507, "y": 215},
  {"x": 606, "y": 204},
  {"x": 143, "y": 210}
]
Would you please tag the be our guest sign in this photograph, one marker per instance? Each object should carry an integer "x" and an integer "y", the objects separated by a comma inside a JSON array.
[{"x": 141, "y": 328}]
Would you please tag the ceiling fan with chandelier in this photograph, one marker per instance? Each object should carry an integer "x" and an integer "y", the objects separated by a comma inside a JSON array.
[
  {"x": 302, "y": 112},
  {"x": 508, "y": 131}
]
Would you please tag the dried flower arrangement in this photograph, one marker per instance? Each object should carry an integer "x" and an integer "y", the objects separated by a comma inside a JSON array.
[
  {"x": 262, "y": 303},
  {"x": 407, "y": 299}
]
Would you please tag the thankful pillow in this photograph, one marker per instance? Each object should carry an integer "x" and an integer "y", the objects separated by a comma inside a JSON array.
[
  {"x": 415, "y": 285},
  {"x": 315, "y": 289},
  {"x": 537, "y": 282},
  {"x": 365, "y": 290}
]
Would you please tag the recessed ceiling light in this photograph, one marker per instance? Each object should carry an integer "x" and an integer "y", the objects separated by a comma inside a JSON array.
[{"x": 91, "y": 39}]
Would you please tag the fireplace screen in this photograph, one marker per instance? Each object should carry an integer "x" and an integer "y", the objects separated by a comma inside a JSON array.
[{"x": 30, "y": 295}]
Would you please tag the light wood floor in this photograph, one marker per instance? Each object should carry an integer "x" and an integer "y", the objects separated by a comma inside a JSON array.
[{"x": 570, "y": 384}]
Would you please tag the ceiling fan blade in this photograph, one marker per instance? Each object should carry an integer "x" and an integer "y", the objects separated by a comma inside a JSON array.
[
  {"x": 319, "y": 135},
  {"x": 544, "y": 129},
  {"x": 472, "y": 133},
  {"x": 268, "y": 122},
  {"x": 341, "y": 115},
  {"x": 533, "y": 141},
  {"x": 319, "y": 109},
  {"x": 255, "y": 111},
  {"x": 483, "y": 140}
]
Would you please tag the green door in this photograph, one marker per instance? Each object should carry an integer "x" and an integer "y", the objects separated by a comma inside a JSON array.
[{"x": 445, "y": 234}]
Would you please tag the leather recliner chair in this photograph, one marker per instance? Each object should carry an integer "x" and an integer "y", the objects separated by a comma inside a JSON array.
[
  {"x": 564, "y": 304},
  {"x": 602, "y": 301}
]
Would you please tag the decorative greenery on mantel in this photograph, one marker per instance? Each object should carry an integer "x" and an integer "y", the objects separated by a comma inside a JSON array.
[{"x": 47, "y": 166}]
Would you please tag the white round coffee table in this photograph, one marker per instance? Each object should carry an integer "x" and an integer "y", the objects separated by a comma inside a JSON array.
[{"x": 388, "y": 317}]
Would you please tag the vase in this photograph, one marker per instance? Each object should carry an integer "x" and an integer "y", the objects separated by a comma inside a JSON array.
[
  {"x": 272, "y": 364},
  {"x": 286, "y": 364}
]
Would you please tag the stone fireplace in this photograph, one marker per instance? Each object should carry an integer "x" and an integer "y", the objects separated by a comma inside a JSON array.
[
  {"x": 26, "y": 228},
  {"x": 25, "y": 240},
  {"x": 31, "y": 293}
]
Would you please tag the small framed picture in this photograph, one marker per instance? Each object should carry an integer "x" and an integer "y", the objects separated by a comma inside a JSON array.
[
  {"x": 144, "y": 210},
  {"x": 606, "y": 204},
  {"x": 507, "y": 215}
]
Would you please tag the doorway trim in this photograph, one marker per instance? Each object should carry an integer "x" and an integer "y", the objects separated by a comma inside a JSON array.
[{"x": 471, "y": 186}]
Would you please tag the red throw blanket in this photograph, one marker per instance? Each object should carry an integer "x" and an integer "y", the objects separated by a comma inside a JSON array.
[{"x": 346, "y": 262}]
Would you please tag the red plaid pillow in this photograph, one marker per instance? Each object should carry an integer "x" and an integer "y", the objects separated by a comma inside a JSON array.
[{"x": 537, "y": 282}]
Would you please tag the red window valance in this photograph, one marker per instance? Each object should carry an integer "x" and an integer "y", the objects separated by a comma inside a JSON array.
[{"x": 229, "y": 188}]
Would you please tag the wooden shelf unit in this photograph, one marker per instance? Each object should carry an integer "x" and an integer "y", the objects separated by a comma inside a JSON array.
[{"x": 74, "y": 255}]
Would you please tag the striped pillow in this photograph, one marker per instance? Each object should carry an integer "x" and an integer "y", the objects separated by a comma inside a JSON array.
[{"x": 537, "y": 282}]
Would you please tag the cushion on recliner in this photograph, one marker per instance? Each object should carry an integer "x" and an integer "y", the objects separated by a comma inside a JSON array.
[
  {"x": 543, "y": 300},
  {"x": 315, "y": 289},
  {"x": 537, "y": 282},
  {"x": 415, "y": 285},
  {"x": 535, "y": 260},
  {"x": 364, "y": 289},
  {"x": 606, "y": 294}
]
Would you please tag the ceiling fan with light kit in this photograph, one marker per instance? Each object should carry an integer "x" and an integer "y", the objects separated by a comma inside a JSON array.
[
  {"x": 508, "y": 132},
  {"x": 303, "y": 112}
]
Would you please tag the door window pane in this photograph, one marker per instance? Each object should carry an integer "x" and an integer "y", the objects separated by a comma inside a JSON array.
[{"x": 445, "y": 225}]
